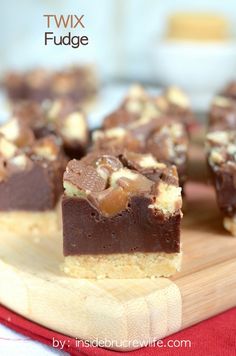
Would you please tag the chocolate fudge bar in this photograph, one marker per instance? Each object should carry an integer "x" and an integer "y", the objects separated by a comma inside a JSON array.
[
  {"x": 138, "y": 126},
  {"x": 121, "y": 217},
  {"x": 222, "y": 115},
  {"x": 221, "y": 148},
  {"x": 78, "y": 83},
  {"x": 61, "y": 117},
  {"x": 174, "y": 102},
  {"x": 31, "y": 173},
  {"x": 230, "y": 90},
  {"x": 171, "y": 102}
]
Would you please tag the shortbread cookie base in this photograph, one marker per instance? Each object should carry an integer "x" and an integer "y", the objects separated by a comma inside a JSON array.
[
  {"x": 135, "y": 265},
  {"x": 230, "y": 225},
  {"x": 30, "y": 222}
]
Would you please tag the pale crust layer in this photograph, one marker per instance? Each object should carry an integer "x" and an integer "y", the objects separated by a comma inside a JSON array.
[
  {"x": 230, "y": 225},
  {"x": 33, "y": 223},
  {"x": 135, "y": 265}
]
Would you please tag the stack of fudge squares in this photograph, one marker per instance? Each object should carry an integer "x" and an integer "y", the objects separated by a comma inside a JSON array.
[
  {"x": 122, "y": 202},
  {"x": 78, "y": 83},
  {"x": 120, "y": 187},
  {"x": 221, "y": 153},
  {"x": 35, "y": 145}
]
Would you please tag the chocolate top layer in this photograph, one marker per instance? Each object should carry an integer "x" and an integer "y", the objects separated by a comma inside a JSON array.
[
  {"x": 107, "y": 182},
  {"x": 139, "y": 104},
  {"x": 62, "y": 118},
  {"x": 221, "y": 146},
  {"x": 146, "y": 124},
  {"x": 222, "y": 115},
  {"x": 30, "y": 176},
  {"x": 222, "y": 163},
  {"x": 77, "y": 83},
  {"x": 164, "y": 138}
]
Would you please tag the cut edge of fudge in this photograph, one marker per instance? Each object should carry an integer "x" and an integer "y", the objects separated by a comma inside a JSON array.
[
  {"x": 30, "y": 176},
  {"x": 221, "y": 155},
  {"x": 107, "y": 197}
]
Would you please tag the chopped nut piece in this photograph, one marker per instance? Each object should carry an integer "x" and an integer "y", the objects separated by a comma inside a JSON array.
[
  {"x": 72, "y": 190},
  {"x": 136, "y": 99},
  {"x": 131, "y": 182},
  {"x": 218, "y": 137},
  {"x": 54, "y": 110},
  {"x": 148, "y": 161},
  {"x": 168, "y": 198},
  {"x": 137, "y": 91},
  {"x": 74, "y": 127},
  {"x": 121, "y": 173},
  {"x": 216, "y": 157},
  {"x": 7, "y": 149},
  {"x": 231, "y": 149},
  {"x": 19, "y": 161},
  {"x": 134, "y": 106},
  {"x": 17, "y": 133},
  {"x": 141, "y": 161},
  {"x": 221, "y": 101},
  {"x": 150, "y": 110},
  {"x": 117, "y": 132},
  {"x": 46, "y": 148},
  {"x": 177, "y": 97},
  {"x": 10, "y": 130}
]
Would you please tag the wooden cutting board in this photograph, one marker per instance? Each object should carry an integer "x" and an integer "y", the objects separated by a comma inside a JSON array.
[{"x": 32, "y": 284}]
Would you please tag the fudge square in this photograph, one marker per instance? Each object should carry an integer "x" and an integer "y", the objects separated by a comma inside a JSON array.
[
  {"x": 30, "y": 184},
  {"x": 141, "y": 125},
  {"x": 221, "y": 153},
  {"x": 62, "y": 118},
  {"x": 121, "y": 217}
]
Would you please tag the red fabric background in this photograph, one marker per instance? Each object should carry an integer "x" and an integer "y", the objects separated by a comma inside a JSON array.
[{"x": 212, "y": 337}]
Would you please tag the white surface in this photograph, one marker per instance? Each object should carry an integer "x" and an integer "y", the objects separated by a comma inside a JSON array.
[
  {"x": 14, "y": 344},
  {"x": 121, "y": 33},
  {"x": 201, "y": 69}
]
